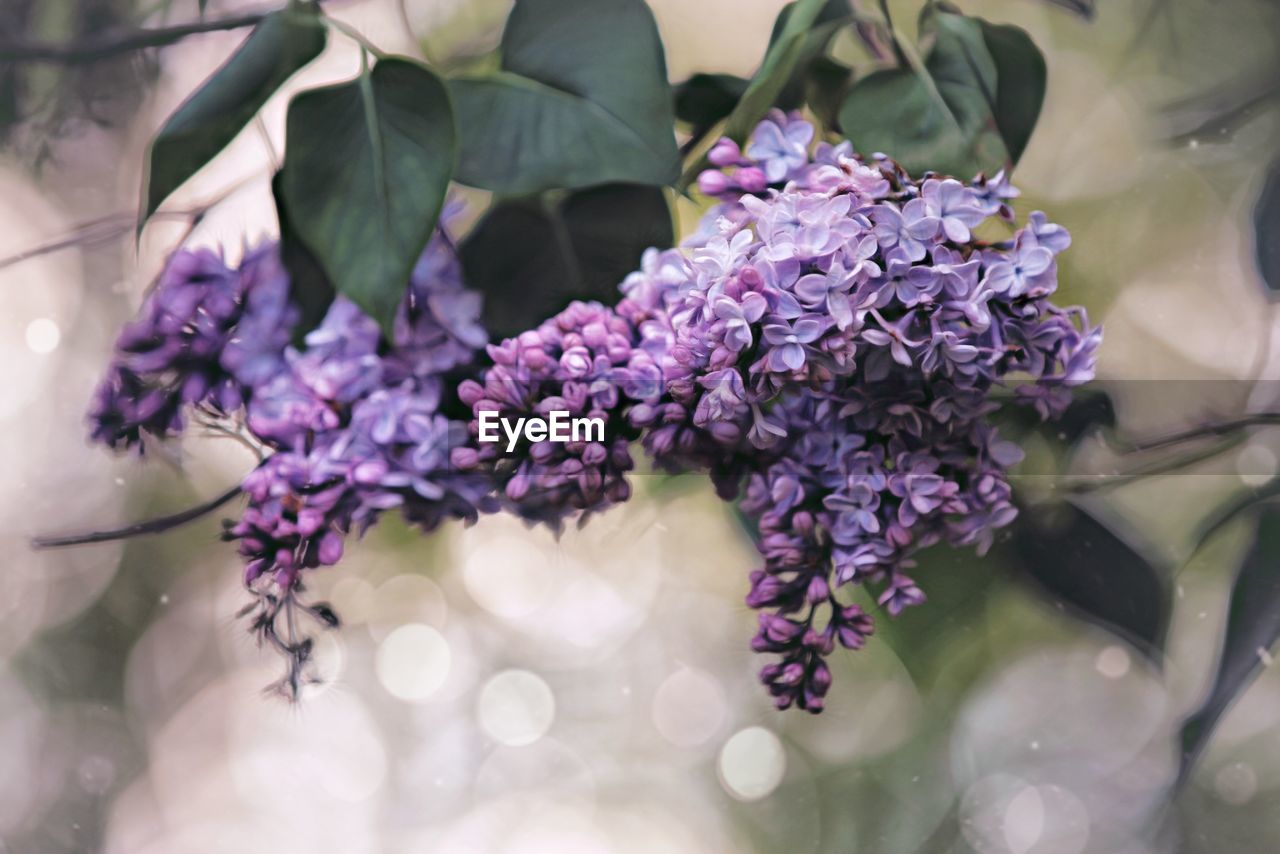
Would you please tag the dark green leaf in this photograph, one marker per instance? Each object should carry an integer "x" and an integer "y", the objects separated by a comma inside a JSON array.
[
  {"x": 1253, "y": 627},
  {"x": 1096, "y": 570},
  {"x": 582, "y": 98},
  {"x": 309, "y": 287},
  {"x": 207, "y": 121},
  {"x": 532, "y": 257},
  {"x": 367, "y": 165},
  {"x": 826, "y": 83},
  {"x": 1266, "y": 230},
  {"x": 1021, "y": 76},
  {"x": 1090, "y": 410},
  {"x": 705, "y": 99},
  {"x": 970, "y": 109}
]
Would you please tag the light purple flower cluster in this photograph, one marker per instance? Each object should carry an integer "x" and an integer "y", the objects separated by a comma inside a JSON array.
[
  {"x": 844, "y": 320},
  {"x": 836, "y": 334},
  {"x": 354, "y": 424}
]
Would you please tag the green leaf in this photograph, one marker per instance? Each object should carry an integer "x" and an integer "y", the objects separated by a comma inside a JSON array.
[
  {"x": 1253, "y": 627},
  {"x": 531, "y": 257},
  {"x": 705, "y": 99},
  {"x": 970, "y": 108},
  {"x": 1095, "y": 569},
  {"x": 826, "y": 83},
  {"x": 367, "y": 165},
  {"x": 1266, "y": 230},
  {"x": 206, "y": 122},
  {"x": 1021, "y": 77},
  {"x": 309, "y": 286},
  {"x": 582, "y": 98}
]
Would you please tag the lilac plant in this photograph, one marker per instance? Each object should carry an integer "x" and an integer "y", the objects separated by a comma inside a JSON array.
[
  {"x": 837, "y": 343},
  {"x": 829, "y": 346}
]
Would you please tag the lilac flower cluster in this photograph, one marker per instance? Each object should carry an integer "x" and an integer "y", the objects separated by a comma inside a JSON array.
[
  {"x": 183, "y": 349},
  {"x": 354, "y": 424},
  {"x": 835, "y": 335},
  {"x": 846, "y": 321}
]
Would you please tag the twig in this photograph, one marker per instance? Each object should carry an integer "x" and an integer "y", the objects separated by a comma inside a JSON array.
[
  {"x": 1258, "y": 419},
  {"x": 150, "y": 526},
  {"x": 117, "y": 225},
  {"x": 1154, "y": 467},
  {"x": 118, "y": 41}
]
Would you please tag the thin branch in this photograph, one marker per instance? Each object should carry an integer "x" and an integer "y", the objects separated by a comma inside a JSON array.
[
  {"x": 116, "y": 42},
  {"x": 117, "y": 225},
  {"x": 1258, "y": 419},
  {"x": 1090, "y": 482},
  {"x": 150, "y": 526}
]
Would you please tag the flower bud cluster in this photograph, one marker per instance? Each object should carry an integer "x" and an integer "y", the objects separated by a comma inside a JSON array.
[{"x": 586, "y": 362}]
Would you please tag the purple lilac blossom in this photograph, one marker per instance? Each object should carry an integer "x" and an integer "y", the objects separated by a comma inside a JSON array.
[
  {"x": 827, "y": 345},
  {"x": 353, "y": 423},
  {"x": 864, "y": 385}
]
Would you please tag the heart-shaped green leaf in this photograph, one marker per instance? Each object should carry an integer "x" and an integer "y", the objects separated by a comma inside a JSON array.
[
  {"x": 582, "y": 98},
  {"x": 367, "y": 165},
  {"x": 206, "y": 122}
]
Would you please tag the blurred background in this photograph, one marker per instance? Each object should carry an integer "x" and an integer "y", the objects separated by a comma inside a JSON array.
[{"x": 493, "y": 689}]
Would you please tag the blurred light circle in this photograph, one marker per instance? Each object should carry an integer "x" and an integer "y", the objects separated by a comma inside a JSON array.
[
  {"x": 1236, "y": 784},
  {"x": 1024, "y": 820},
  {"x": 43, "y": 335},
  {"x": 752, "y": 763},
  {"x": 507, "y": 574},
  {"x": 516, "y": 707},
  {"x": 1002, "y": 814},
  {"x": 352, "y": 597},
  {"x": 688, "y": 707},
  {"x": 402, "y": 600},
  {"x": 413, "y": 662},
  {"x": 1113, "y": 662},
  {"x": 1256, "y": 464}
]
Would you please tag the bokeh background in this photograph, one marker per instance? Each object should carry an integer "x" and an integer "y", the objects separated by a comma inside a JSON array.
[{"x": 493, "y": 689}]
